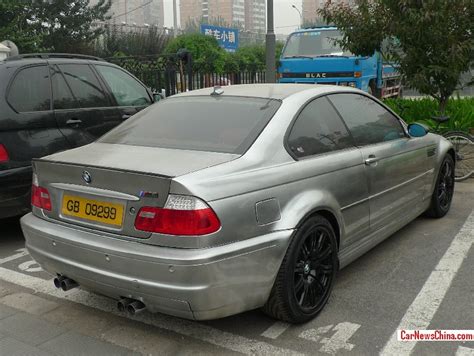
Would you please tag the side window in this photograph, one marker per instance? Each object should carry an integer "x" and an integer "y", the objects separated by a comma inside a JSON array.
[
  {"x": 367, "y": 120},
  {"x": 62, "y": 95},
  {"x": 318, "y": 129},
  {"x": 31, "y": 90},
  {"x": 84, "y": 85},
  {"x": 126, "y": 89}
]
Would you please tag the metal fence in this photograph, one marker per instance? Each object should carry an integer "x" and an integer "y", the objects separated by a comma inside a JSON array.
[{"x": 170, "y": 74}]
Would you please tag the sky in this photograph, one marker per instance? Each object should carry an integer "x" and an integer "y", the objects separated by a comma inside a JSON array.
[{"x": 287, "y": 19}]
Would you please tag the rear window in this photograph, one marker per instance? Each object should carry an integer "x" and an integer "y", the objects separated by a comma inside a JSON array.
[{"x": 215, "y": 123}]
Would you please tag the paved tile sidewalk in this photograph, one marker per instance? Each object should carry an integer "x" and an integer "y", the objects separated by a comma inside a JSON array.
[{"x": 24, "y": 332}]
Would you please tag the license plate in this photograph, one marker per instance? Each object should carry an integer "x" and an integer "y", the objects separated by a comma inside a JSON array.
[{"x": 93, "y": 210}]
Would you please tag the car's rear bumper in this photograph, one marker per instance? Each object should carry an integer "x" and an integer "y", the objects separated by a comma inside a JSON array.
[
  {"x": 191, "y": 283},
  {"x": 15, "y": 187}
]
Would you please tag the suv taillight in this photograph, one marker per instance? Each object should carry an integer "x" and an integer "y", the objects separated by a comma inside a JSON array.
[
  {"x": 181, "y": 215},
  {"x": 40, "y": 197},
  {"x": 3, "y": 154}
]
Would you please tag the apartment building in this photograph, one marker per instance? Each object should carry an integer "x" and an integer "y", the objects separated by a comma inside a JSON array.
[
  {"x": 136, "y": 12},
  {"x": 250, "y": 14},
  {"x": 310, "y": 8}
]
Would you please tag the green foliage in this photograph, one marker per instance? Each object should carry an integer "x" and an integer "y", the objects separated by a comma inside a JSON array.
[
  {"x": 208, "y": 57},
  {"x": 118, "y": 42},
  {"x": 459, "y": 110},
  {"x": 432, "y": 39},
  {"x": 66, "y": 25},
  {"x": 14, "y": 25}
]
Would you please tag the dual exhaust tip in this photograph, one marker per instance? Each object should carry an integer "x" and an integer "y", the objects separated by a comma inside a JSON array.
[
  {"x": 65, "y": 283},
  {"x": 131, "y": 306}
]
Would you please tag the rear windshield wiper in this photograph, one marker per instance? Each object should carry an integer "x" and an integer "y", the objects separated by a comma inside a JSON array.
[
  {"x": 331, "y": 55},
  {"x": 299, "y": 56}
]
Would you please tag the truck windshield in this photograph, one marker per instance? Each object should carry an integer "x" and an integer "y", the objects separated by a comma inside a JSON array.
[{"x": 314, "y": 44}]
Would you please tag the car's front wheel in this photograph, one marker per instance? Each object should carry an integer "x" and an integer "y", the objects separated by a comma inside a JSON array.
[
  {"x": 306, "y": 276},
  {"x": 444, "y": 189}
]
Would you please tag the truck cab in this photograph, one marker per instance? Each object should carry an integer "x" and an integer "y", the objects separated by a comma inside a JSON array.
[{"x": 313, "y": 56}]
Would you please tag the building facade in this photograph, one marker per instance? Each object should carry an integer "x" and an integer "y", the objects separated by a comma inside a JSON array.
[
  {"x": 255, "y": 15},
  {"x": 136, "y": 12},
  {"x": 310, "y": 8},
  {"x": 246, "y": 14}
]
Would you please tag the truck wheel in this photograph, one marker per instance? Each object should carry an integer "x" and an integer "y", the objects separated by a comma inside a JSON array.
[{"x": 306, "y": 276}]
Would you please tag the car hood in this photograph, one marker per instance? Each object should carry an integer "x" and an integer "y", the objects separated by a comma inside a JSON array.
[{"x": 152, "y": 160}]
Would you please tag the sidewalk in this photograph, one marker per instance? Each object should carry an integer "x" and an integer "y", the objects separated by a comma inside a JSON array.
[
  {"x": 25, "y": 329},
  {"x": 32, "y": 324}
]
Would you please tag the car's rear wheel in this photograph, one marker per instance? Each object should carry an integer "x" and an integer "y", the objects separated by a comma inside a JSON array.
[
  {"x": 444, "y": 189},
  {"x": 306, "y": 276}
]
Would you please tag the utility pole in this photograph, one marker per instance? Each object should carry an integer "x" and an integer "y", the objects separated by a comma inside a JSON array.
[
  {"x": 175, "y": 19},
  {"x": 270, "y": 45}
]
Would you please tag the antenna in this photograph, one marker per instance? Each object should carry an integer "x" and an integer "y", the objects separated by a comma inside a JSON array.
[{"x": 217, "y": 90}]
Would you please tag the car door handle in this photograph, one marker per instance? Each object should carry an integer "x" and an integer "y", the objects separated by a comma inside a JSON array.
[
  {"x": 125, "y": 116},
  {"x": 371, "y": 159},
  {"x": 73, "y": 122}
]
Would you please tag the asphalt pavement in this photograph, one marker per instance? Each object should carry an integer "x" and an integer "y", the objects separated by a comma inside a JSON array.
[{"x": 419, "y": 278}]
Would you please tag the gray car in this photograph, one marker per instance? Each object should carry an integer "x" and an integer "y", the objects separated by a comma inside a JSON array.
[{"x": 218, "y": 201}]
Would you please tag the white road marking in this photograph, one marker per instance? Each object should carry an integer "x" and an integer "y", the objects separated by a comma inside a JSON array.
[
  {"x": 30, "y": 266},
  {"x": 315, "y": 334},
  {"x": 189, "y": 328},
  {"x": 464, "y": 351},
  {"x": 21, "y": 253},
  {"x": 275, "y": 330},
  {"x": 421, "y": 311},
  {"x": 338, "y": 341}
]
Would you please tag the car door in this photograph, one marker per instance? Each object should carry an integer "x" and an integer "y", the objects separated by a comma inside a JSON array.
[
  {"x": 323, "y": 145},
  {"x": 30, "y": 129},
  {"x": 396, "y": 164},
  {"x": 82, "y": 108},
  {"x": 130, "y": 95}
]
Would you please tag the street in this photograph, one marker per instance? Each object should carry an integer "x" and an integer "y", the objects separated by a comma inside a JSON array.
[{"x": 419, "y": 278}]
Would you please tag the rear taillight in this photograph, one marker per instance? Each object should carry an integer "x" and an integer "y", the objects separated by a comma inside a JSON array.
[
  {"x": 40, "y": 197},
  {"x": 3, "y": 154},
  {"x": 181, "y": 215}
]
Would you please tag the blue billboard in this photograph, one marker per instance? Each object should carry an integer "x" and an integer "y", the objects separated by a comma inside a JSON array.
[{"x": 228, "y": 38}]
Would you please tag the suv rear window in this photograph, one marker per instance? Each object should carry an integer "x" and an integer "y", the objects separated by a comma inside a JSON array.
[{"x": 217, "y": 124}]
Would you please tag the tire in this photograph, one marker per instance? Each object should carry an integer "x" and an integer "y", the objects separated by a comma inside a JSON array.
[
  {"x": 305, "y": 279},
  {"x": 444, "y": 189},
  {"x": 464, "y": 147}
]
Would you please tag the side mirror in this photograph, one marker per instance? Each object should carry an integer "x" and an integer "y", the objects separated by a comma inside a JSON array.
[
  {"x": 417, "y": 130},
  {"x": 157, "y": 97}
]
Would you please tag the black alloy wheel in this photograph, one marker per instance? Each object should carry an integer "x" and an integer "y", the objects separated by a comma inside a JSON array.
[
  {"x": 307, "y": 274},
  {"x": 444, "y": 189},
  {"x": 314, "y": 270}
]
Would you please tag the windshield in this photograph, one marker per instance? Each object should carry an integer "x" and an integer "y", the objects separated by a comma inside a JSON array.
[
  {"x": 314, "y": 44},
  {"x": 204, "y": 123}
]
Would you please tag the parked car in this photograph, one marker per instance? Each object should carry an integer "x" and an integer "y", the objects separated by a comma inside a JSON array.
[
  {"x": 54, "y": 102},
  {"x": 218, "y": 201}
]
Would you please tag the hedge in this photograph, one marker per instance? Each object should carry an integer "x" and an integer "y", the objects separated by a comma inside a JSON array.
[{"x": 459, "y": 110}]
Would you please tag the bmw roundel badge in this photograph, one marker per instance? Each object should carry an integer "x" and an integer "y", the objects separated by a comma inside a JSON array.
[{"x": 87, "y": 177}]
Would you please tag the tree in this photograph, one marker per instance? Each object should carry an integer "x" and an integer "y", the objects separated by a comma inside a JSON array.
[
  {"x": 15, "y": 26},
  {"x": 431, "y": 40},
  {"x": 131, "y": 42},
  {"x": 68, "y": 25}
]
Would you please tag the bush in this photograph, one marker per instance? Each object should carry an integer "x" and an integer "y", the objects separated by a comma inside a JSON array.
[{"x": 460, "y": 112}]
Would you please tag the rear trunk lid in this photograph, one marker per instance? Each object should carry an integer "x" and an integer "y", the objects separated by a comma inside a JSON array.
[{"x": 103, "y": 186}]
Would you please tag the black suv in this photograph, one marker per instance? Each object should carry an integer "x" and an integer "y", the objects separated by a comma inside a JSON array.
[{"x": 54, "y": 102}]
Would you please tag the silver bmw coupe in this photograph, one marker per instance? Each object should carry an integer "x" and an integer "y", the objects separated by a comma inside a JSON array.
[{"x": 222, "y": 200}]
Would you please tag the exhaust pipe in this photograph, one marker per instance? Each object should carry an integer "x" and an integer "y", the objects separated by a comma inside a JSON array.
[
  {"x": 135, "y": 307},
  {"x": 123, "y": 303},
  {"x": 67, "y": 284},
  {"x": 57, "y": 281}
]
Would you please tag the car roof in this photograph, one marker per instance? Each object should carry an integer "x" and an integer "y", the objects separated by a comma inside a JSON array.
[{"x": 278, "y": 91}]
